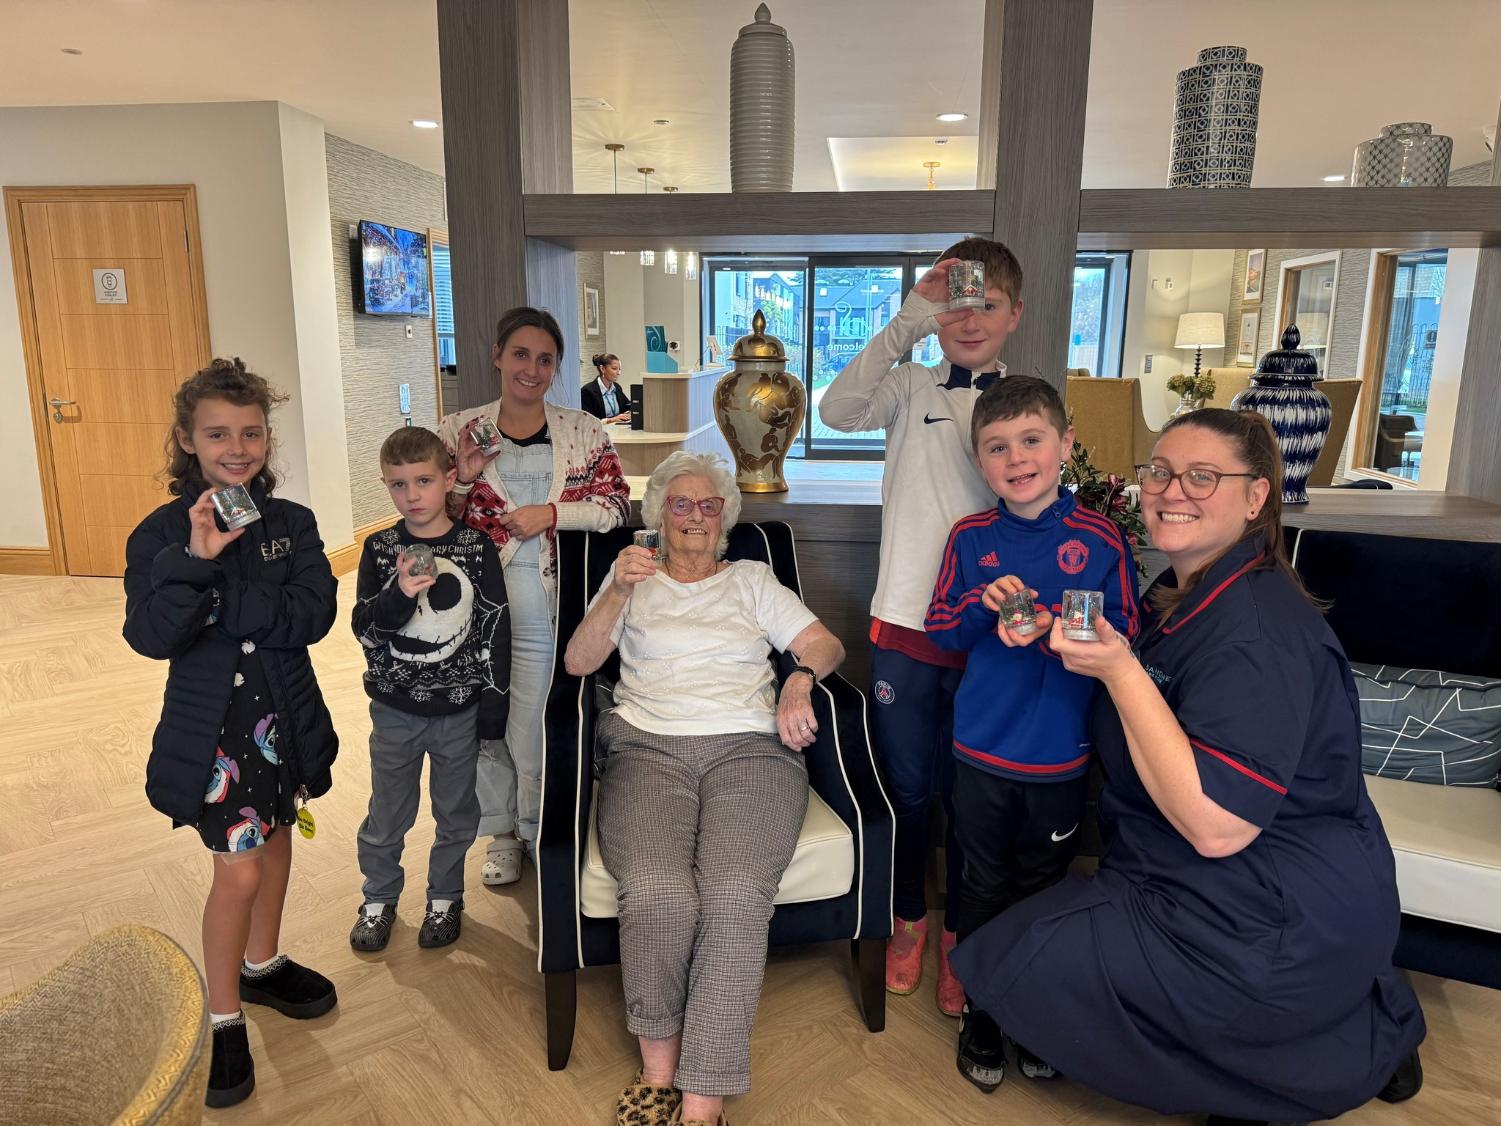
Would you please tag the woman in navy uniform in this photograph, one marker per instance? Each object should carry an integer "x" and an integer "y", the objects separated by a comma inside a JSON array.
[{"x": 1233, "y": 954}]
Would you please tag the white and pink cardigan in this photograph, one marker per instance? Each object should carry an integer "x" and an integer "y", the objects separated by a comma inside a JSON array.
[{"x": 588, "y": 492}]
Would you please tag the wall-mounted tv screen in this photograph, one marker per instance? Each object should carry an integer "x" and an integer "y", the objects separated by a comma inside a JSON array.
[{"x": 390, "y": 271}]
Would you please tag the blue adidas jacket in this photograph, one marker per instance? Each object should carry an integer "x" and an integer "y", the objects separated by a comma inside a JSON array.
[{"x": 1019, "y": 713}]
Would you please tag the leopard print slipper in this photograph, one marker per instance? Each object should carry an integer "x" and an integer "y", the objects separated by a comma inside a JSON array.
[{"x": 645, "y": 1104}]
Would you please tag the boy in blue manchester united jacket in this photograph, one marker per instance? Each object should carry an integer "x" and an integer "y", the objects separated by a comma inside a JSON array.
[{"x": 1020, "y": 718}]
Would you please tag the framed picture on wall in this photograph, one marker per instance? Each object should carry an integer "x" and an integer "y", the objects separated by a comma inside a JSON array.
[
  {"x": 1255, "y": 274},
  {"x": 591, "y": 311},
  {"x": 1245, "y": 351}
]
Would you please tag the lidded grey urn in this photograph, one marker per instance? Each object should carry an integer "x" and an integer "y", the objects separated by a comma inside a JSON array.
[{"x": 761, "y": 107}]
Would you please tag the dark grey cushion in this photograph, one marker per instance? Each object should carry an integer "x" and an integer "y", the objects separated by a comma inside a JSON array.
[{"x": 1422, "y": 725}]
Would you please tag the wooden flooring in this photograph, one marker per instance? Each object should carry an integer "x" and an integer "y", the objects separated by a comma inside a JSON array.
[{"x": 456, "y": 1035}]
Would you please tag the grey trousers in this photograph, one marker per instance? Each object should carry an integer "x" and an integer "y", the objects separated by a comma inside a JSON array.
[
  {"x": 697, "y": 830},
  {"x": 398, "y": 742}
]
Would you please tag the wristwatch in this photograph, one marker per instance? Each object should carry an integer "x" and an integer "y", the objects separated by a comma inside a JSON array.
[{"x": 804, "y": 668}]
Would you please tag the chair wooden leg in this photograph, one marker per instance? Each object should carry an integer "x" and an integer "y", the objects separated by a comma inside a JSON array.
[
  {"x": 870, "y": 970},
  {"x": 562, "y": 1005}
]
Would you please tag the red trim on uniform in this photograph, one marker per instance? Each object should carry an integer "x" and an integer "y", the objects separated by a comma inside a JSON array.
[
  {"x": 1211, "y": 596},
  {"x": 1092, "y": 522},
  {"x": 1246, "y": 770},
  {"x": 913, "y": 643},
  {"x": 1024, "y": 767}
]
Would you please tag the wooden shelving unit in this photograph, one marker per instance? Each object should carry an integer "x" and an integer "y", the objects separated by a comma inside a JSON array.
[
  {"x": 771, "y": 221},
  {"x": 1336, "y": 218},
  {"x": 1116, "y": 219}
]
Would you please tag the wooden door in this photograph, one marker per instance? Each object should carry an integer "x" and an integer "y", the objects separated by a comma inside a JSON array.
[{"x": 118, "y": 319}]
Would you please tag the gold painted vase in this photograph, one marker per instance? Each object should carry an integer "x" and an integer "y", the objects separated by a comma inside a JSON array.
[{"x": 759, "y": 407}]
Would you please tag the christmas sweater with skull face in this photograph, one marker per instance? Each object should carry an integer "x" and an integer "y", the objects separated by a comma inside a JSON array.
[{"x": 450, "y": 647}]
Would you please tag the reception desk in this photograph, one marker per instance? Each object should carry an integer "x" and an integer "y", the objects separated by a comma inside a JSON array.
[
  {"x": 677, "y": 412},
  {"x": 834, "y": 508}
]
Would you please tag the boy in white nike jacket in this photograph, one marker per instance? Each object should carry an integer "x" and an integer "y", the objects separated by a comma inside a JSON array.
[{"x": 931, "y": 480}]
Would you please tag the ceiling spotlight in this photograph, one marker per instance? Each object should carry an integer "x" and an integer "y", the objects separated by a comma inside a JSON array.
[
  {"x": 424, "y": 123},
  {"x": 940, "y": 140},
  {"x": 1333, "y": 179},
  {"x": 952, "y": 116},
  {"x": 71, "y": 51},
  {"x": 661, "y": 121}
]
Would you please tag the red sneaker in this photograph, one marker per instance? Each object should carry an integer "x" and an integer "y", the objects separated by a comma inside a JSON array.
[
  {"x": 904, "y": 955},
  {"x": 950, "y": 992}
]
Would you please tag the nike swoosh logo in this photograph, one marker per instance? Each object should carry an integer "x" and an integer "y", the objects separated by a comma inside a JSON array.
[
  {"x": 929, "y": 419},
  {"x": 1065, "y": 836}
]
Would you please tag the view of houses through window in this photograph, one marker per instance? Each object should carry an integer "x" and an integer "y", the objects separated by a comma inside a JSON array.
[{"x": 825, "y": 309}]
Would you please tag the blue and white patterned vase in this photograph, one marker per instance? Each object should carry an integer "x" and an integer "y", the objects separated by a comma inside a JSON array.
[
  {"x": 1283, "y": 390},
  {"x": 1214, "y": 121},
  {"x": 1406, "y": 155}
]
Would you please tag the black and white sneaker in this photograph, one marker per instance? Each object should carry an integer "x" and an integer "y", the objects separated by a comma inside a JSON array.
[
  {"x": 441, "y": 924},
  {"x": 982, "y": 1049},
  {"x": 1033, "y": 1067},
  {"x": 231, "y": 1073},
  {"x": 372, "y": 930}
]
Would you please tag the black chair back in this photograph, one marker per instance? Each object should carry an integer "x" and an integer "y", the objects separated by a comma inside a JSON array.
[{"x": 1413, "y": 603}]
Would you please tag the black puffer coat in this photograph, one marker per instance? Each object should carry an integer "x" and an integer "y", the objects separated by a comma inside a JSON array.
[{"x": 275, "y": 589}]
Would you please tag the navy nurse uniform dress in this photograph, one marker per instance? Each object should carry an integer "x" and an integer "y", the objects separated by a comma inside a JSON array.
[{"x": 1258, "y": 985}]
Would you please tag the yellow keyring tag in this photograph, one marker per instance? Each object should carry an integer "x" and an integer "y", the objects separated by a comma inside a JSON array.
[{"x": 305, "y": 823}]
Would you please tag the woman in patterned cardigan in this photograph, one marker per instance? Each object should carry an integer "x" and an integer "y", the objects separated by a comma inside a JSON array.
[{"x": 554, "y": 468}]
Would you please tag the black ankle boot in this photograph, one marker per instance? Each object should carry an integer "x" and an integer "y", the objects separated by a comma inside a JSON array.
[
  {"x": 231, "y": 1075},
  {"x": 290, "y": 989},
  {"x": 1405, "y": 1082}
]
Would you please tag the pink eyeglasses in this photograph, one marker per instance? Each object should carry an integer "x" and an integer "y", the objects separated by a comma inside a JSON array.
[{"x": 682, "y": 506}]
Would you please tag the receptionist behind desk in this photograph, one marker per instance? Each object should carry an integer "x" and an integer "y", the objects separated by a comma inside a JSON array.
[{"x": 605, "y": 398}]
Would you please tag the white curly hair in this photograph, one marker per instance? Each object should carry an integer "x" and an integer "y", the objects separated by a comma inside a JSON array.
[{"x": 686, "y": 463}]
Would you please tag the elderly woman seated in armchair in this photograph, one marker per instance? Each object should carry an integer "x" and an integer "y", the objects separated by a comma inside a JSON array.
[{"x": 704, "y": 788}]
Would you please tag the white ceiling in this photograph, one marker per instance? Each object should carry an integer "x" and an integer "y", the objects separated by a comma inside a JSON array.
[{"x": 871, "y": 76}]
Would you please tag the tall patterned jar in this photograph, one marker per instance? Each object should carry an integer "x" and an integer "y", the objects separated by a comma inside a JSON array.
[
  {"x": 759, "y": 407},
  {"x": 1214, "y": 121},
  {"x": 761, "y": 107},
  {"x": 1406, "y": 155},
  {"x": 1283, "y": 390}
]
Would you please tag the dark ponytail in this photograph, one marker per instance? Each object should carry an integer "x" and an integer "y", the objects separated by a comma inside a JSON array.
[
  {"x": 1255, "y": 443},
  {"x": 603, "y": 360}
]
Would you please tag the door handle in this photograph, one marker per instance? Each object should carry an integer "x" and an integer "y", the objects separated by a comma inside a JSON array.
[{"x": 58, "y": 405}]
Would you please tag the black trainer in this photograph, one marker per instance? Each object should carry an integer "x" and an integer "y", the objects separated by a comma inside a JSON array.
[
  {"x": 982, "y": 1050},
  {"x": 439, "y": 928},
  {"x": 231, "y": 1074},
  {"x": 1032, "y": 1066},
  {"x": 290, "y": 989},
  {"x": 372, "y": 930},
  {"x": 1405, "y": 1082}
]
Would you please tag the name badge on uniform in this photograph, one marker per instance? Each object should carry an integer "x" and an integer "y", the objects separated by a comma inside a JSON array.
[{"x": 278, "y": 548}]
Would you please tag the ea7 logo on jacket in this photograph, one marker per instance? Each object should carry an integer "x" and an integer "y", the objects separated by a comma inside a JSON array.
[
  {"x": 278, "y": 548},
  {"x": 989, "y": 560},
  {"x": 1072, "y": 557}
]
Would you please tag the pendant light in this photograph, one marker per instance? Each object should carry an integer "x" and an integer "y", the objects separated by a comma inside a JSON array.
[
  {"x": 614, "y": 148},
  {"x": 648, "y": 257}
]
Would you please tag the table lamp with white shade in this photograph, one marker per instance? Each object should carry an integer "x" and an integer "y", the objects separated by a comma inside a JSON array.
[{"x": 1199, "y": 331}]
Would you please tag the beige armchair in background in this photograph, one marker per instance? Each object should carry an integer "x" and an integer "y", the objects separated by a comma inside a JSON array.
[
  {"x": 117, "y": 1033},
  {"x": 1228, "y": 383},
  {"x": 1109, "y": 423}
]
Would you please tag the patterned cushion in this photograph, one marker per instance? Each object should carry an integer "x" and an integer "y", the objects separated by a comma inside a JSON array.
[{"x": 1422, "y": 725}]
